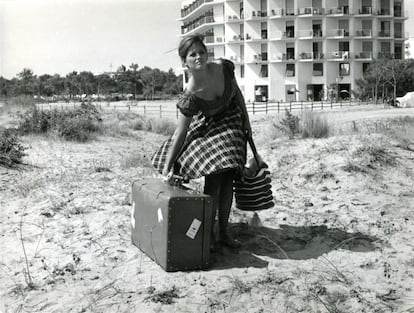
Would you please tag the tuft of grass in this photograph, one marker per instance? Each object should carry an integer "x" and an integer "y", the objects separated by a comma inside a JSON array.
[
  {"x": 164, "y": 297},
  {"x": 371, "y": 155},
  {"x": 11, "y": 150},
  {"x": 314, "y": 126},
  {"x": 160, "y": 126}
]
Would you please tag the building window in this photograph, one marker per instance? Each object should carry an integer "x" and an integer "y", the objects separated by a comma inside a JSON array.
[
  {"x": 365, "y": 67},
  {"x": 344, "y": 69},
  {"x": 264, "y": 70},
  {"x": 290, "y": 70},
  {"x": 317, "y": 69}
]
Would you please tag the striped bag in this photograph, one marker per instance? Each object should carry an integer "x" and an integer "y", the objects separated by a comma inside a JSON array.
[{"x": 254, "y": 192}]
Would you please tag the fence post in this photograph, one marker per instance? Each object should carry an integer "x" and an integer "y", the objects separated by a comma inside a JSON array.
[
  {"x": 322, "y": 105},
  {"x": 340, "y": 104},
  {"x": 301, "y": 106},
  {"x": 312, "y": 106},
  {"x": 278, "y": 107},
  {"x": 290, "y": 106},
  {"x": 266, "y": 107},
  {"x": 176, "y": 112},
  {"x": 253, "y": 108}
]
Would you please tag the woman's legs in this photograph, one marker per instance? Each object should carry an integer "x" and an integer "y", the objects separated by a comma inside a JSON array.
[{"x": 220, "y": 187}]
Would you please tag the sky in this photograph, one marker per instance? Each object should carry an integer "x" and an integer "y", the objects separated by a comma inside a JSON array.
[{"x": 60, "y": 36}]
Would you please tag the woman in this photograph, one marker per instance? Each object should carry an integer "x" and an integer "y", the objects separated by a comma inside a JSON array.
[{"x": 213, "y": 125}]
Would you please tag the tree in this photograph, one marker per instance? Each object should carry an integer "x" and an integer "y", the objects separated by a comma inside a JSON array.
[{"x": 27, "y": 84}]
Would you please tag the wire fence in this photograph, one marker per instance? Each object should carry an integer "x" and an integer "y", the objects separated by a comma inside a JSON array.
[{"x": 167, "y": 109}]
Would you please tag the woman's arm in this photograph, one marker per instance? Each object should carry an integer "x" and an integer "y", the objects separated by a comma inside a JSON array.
[
  {"x": 178, "y": 141},
  {"x": 242, "y": 103}
]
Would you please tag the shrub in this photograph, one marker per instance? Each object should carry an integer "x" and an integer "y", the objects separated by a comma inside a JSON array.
[
  {"x": 11, "y": 150},
  {"x": 314, "y": 126},
  {"x": 77, "y": 125},
  {"x": 289, "y": 125}
]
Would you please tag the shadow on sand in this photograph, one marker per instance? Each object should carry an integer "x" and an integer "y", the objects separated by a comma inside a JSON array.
[{"x": 287, "y": 242}]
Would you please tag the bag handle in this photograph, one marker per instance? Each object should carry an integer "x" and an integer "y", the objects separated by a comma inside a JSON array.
[{"x": 254, "y": 150}]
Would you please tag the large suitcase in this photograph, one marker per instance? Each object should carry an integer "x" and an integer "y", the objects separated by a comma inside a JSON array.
[{"x": 171, "y": 224}]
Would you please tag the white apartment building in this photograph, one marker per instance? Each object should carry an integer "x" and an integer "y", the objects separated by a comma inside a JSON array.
[{"x": 290, "y": 50}]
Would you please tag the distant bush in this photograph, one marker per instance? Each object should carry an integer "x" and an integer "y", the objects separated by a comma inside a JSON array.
[
  {"x": 11, "y": 150},
  {"x": 289, "y": 125},
  {"x": 75, "y": 125},
  {"x": 314, "y": 126}
]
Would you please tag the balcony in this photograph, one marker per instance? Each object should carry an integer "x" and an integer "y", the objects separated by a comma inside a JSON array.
[
  {"x": 365, "y": 11},
  {"x": 259, "y": 58},
  {"x": 189, "y": 27},
  {"x": 384, "y": 34},
  {"x": 310, "y": 11},
  {"x": 256, "y": 15},
  {"x": 363, "y": 56},
  {"x": 211, "y": 40},
  {"x": 288, "y": 34},
  {"x": 306, "y": 56},
  {"x": 363, "y": 33},
  {"x": 235, "y": 19},
  {"x": 193, "y": 7},
  {"x": 236, "y": 59},
  {"x": 338, "y": 11},
  {"x": 236, "y": 39},
  {"x": 317, "y": 55},
  {"x": 339, "y": 55},
  {"x": 384, "y": 12},
  {"x": 288, "y": 57},
  {"x": 385, "y": 55},
  {"x": 337, "y": 33}
]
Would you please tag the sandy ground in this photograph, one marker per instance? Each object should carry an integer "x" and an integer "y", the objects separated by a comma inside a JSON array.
[{"x": 340, "y": 238}]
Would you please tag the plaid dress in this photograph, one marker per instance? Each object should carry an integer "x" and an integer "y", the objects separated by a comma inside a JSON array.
[{"x": 214, "y": 143}]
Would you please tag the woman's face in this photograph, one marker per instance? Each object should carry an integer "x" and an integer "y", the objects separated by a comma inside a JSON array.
[{"x": 196, "y": 57}]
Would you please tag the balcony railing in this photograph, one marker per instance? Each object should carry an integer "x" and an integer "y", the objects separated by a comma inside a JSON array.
[
  {"x": 236, "y": 59},
  {"x": 363, "y": 32},
  {"x": 192, "y": 7},
  {"x": 289, "y": 34},
  {"x": 365, "y": 10},
  {"x": 366, "y": 55},
  {"x": 235, "y": 19},
  {"x": 317, "y": 55},
  {"x": 384, "y": 33},
  {"x": 306, "y": 56},
  {"x": 257, "y": 15},
  {"x": 310, "y": 11},
  {"x": 341, "y": 55},
  {"x": 288, "y": 56},
  {"x": 385, "y": 55},
  {"x": 212, "y": 40},
  {"x": 305, "y": 33},
  {"x": 197, "y": 23},
  {"x": 384, "y": 11},
  {"x": 236, "y": 38},
  {"x": 337, "y": 33}
]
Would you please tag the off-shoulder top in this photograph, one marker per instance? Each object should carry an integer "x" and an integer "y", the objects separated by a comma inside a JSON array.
[{"x": 189, "y": 104}]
